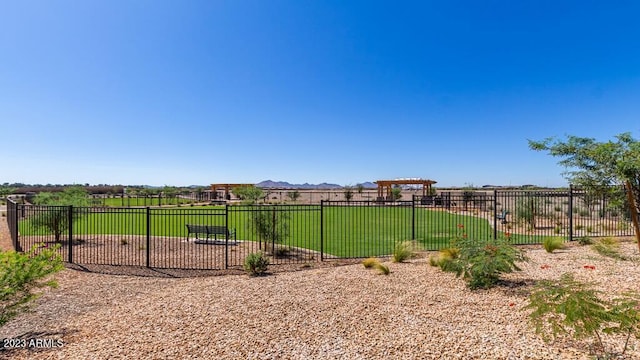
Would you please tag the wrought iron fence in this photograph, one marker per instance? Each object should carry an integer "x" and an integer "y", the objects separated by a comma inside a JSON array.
[{"x": 295, "y": 234}]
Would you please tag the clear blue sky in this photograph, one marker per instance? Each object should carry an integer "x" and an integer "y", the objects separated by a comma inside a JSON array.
[{"x": 197, "y": 92}]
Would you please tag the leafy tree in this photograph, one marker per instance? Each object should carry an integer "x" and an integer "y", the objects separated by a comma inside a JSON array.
[
  {"x": 249, "y": 194},
  {"x": 396, "y": 193},
  {"x": 5, "y": 191},
  {"x": 348, "y": 193},
  {"x": 598, "y": 165},
  {"x": 270, "y": 225},
  {"x": 54, "y": 213},
  {"x": 21, "y": 274},
  {"x": 293, "y": 195}
]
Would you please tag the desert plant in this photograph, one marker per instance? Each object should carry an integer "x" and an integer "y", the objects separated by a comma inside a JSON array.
[
  {"x": 403, "y": 251},
  {"x": 348, "y": 193},
  {"x": 382, "y": 269},
  {"x": 294, "y": 195},
  {"x": 396, "y": 193},
  {"x": 608, "y": 247},
  {"x": 370, "y": 262},
  {"x": 568, "y": 307},
  {"x": 527, "y": 210},
  {"x": 124, "y": 241},
  {"x": 256, "y": 264},
  {"x": 21, "y": 274},
  {"x": 481, "y": 262},
  {"x": 54, "y": 215},
  {"x": 551, "y": 244},
  {"x": 271, "y": 226},
  {"x": 443, "y": 257},
  {"x": 585, "y": 240}
]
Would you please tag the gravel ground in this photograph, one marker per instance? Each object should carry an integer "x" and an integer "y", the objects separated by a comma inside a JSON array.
[{"x": 344, "y": 312}]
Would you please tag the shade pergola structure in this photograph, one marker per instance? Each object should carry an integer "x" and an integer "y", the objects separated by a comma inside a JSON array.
[
  {"x": 227, "y": 189},
  {"x": 387, "y": 185}
]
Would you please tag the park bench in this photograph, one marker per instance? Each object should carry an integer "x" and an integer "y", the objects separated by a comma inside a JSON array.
[
  {"x": 502, "y": 216},
  {"x": 210, "y": 230}
]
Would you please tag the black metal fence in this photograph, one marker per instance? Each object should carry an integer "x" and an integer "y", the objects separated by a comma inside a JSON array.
[{"x": 298, "y": 234}]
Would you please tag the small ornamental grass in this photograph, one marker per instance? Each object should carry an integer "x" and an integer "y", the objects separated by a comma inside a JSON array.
[
  {"x": 382, "y": 269},
  {"x": 443, "y": 257},
  {"x": 403, "y": 251},
  {"x": 255, "y": 264},
  {"x": 568, "y": 307},
  {"x": 551, "y": 244},
  {"x": 370, "y": 263}
]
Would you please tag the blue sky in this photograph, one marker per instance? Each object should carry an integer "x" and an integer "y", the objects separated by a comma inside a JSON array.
[{"x": 197, "y": 92}]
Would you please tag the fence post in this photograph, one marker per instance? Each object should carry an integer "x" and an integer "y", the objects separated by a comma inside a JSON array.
[
  {"x": 321, "y": 230},
  {"x": 570, "y": 212},
  {"x": 495, "y": 214},
  {"x": 148, "y": 252},
  {"x": 70, "y": 222},
  {"x": 226, "y": 242},
  {"x": 413, "y": 217}
]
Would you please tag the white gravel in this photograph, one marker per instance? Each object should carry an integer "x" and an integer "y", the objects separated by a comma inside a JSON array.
[{"x": 345, "y": 312}]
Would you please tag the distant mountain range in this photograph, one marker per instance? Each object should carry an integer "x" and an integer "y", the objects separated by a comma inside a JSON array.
[{"x": 285, "y": 185}]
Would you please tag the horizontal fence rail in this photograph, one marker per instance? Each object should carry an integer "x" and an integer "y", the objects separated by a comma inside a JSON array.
[{"x": 220, "y": 237}]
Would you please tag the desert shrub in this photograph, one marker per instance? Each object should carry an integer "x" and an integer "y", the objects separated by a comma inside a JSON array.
[
  {"x": 403, "y": 251},
  {"x": 584, "y": 213},
  {"x": 551, "y": 243},
  {"x": 527, "y": 210},
  {"x": 256, "y": 263},
  {"x": 281, "y": 251},
  {"x": 585, "y": 240},
  {"x": 21, "y": 274},
  {"x": 567, "y": 307},
  {"x": 382, "y": 269},
  {"x": 370, "y": 262},
  {"x": 557, "y": 208},
  {"x": 557, "y": 229},
  {"x": 481, "y": 262},
  {"x": 608, "y": 247}
]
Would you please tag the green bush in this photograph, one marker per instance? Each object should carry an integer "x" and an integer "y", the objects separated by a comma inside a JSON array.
[
  {"x": 585, "y": 240},
  {"x": 256, "y": 263},
  {"x": 567, "y": 307},
  {"x": 370, "y": 262},
  {"x": 403, "y": 251},
  {"x": 21, "y": 274},
  {"x": 481, "y": 262},
  {"x": 551, "y": 244}
]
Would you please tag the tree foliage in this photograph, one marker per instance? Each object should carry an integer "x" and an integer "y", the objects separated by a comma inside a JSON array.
[
  {"x": 348, "y": 193},
  {"x": 21, "y": 274},
  {"x": 53, "y": 215},
  {"x": 597, "y": 165},
  {"x": 249, "y": 194},
  {"x": 568, "y": 307}
]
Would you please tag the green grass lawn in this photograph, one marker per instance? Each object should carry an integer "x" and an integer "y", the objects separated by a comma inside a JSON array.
[
  {"x": 348, "y": 231},
  {"x": 139, "y": 201}
]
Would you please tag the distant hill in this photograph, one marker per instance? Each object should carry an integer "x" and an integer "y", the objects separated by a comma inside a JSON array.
[
  {"x": 270, "y": 184},
  {"x": 286, "y": 185}
]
